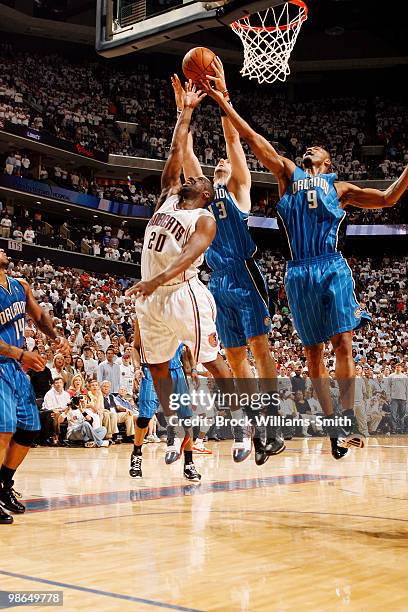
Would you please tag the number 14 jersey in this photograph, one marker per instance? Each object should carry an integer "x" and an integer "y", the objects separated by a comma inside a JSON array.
[
  {"x": 13, "y": 301},
  {"x": 166, "y": 234}
]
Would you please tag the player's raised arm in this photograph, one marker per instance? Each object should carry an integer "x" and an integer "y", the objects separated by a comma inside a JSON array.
[
  {"x": 372, "y": 198},
  {"x": 198, "y": 242},
  {"x": 262, "y": 149},
  {"x": 43, "y": 321},
  {"x": 239, "y": 182},
  {"x": 191, "y": 165},
  {"x": 170, "y": 180}
]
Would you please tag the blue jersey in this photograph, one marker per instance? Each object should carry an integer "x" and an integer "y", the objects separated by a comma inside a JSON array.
[
  {"x": 233, "y": 242},
  {"x": 13, "y": 302},
  {"x": 311, "y": 215}
]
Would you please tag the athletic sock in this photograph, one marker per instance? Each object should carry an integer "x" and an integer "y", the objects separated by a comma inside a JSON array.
[
  {"x": 137, "y": 450},
  {"x": 6, "y": 474},
  {"x": 188, "y": 457}
]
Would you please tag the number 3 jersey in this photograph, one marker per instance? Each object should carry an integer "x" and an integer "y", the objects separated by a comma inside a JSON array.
[
  {"x": 12, "y": 313},
  {"x": 311, "y": 215},
  {"x": 166, "y": 234},
  {"x": 233, "y": 243}
]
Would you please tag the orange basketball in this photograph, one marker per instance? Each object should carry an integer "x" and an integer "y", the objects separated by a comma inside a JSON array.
[{"x": 197, "y": 63}]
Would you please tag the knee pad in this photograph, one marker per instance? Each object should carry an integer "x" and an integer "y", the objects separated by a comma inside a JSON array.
[
  {"x": 23, "y": 437},
  {"x": 142, "y": 422}
]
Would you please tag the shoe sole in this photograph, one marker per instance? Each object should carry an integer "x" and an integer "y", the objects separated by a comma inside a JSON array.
[
  {"x": 186, "y": 438},
  {"x": 135, "y": 477},
  {"x": 352, "y": 442},
  {"x": 278, "y": 452},
  {"x": 202, "y": 452}
]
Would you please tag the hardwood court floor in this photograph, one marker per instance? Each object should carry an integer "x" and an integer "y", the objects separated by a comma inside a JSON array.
[{"x": 303, "y": 532}]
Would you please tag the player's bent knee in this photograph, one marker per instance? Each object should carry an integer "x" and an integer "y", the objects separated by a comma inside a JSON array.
[
  {"x": 24, "y": 437},
  {"x": 142, "y": 422}
]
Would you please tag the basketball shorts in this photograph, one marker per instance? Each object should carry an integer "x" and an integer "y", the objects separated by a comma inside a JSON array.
[
  {"x": 149, "y": 402},
  {"x": 321, "y": 297},
  {"x": 18, "y": 406},
  {"x": 241, "y": 296},
  {"x": 183, "y": 313}
]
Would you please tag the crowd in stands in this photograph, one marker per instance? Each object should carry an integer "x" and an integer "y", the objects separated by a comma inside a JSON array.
[
  {"x": 96, "y": 317},
  {"x": 81, "y": 102},
  {"x": 118, "y": 243},
  {"x": 18, "y": 163}
]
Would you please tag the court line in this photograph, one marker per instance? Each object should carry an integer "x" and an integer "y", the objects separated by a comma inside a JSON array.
[
  {"x": 316, "y": 512},
  {"x": 153, "y": 493},
  {"x": 75, "y": 587}
]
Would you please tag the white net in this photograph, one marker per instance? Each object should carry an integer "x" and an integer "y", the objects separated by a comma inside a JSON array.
[{"x": 268, "y": 39}]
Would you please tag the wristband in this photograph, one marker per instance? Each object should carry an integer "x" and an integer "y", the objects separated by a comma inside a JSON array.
[
  {"x": 21, "y": 356},
  {"x": 179, "y": 111}
]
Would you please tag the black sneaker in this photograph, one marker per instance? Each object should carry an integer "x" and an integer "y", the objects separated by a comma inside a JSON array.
[
  {"x": 191, "y": 473},
  {"x": 8, "y": 498},
  {"x": 274, "y": 446},
  {"x": 261, "y": 456},
  {"x": 135, "y": 466},
  {"x": 338, "y": 452},
  {"x": 5, "y": 519}
]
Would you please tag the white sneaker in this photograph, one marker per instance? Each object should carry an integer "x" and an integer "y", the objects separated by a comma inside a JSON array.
[
  {"x": 241, "y": 450},
  {"x": 200, "y": 449},
  {"x": 173, "y": 452},
  {"x": 105, "y": 443},
  {"x": 155, "y": 438},
  {"x": 150, "y": 438}
]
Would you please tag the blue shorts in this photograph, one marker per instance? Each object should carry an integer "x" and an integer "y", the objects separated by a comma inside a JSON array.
[
  {"x": 18, "y": 406},
  {"x": 241, "y": 296},
  {"x": 321, "y": 297},
  {"x": 149, "y": 402}
]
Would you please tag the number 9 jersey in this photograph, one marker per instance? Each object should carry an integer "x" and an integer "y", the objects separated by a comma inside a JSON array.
[
  {"x": 311, "y": 215},
  {"x": 166, "y": 234}
]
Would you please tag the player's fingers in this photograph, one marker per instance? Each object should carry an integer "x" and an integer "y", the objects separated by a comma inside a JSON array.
[
  {"x": 200, "y": 98},
  {"x": 211, "y": 78}
]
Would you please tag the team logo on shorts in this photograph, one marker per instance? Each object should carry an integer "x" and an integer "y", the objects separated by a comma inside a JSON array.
[
  {"x": 267, "y": 321},
  {"x": 213, "y": 340},
  {"x": 358, "y": 312}
]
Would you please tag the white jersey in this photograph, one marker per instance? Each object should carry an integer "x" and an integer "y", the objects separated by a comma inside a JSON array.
[{"x": 166, "y": 234}]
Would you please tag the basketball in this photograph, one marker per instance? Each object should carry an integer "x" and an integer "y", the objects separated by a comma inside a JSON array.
[{"x": 197, "y": 63}]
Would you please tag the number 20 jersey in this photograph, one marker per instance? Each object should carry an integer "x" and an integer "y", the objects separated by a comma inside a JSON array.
[
  {"x": 311, "y": 215},
  {"x": 12, "y": 313},
  {"x": 166, "y": 234}
]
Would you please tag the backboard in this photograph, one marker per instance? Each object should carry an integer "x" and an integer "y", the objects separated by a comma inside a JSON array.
[{"x": 126, "y": 26}]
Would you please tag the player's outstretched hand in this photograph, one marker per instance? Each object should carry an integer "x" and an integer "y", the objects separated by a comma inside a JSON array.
[
  {"x": 192, "y": 96},
  {"x": 178, "y": 91},
  {"x": 33, "y": 361},
  {"x": 62, "y": 345},
  {"x": 219, "y": 78},
  {"x": 142, "y": 289},
  {"x": 216, "y": 95}
]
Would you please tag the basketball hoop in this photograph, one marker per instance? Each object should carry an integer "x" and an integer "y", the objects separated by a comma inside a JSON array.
[{"x": 268, "y": 38}]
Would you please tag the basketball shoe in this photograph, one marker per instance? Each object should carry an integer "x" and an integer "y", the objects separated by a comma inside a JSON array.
[
  {"x": 135, "y": 466},
  {"x": 200, "y": 449},
  {"x": 174, "y": 450}
]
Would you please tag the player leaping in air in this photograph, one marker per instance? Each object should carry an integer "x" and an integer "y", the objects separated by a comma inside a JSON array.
[
  {"x": 173, "y": 306},
  {"x": 318, "y": 281},
  {"x": 237, "y": 284}
]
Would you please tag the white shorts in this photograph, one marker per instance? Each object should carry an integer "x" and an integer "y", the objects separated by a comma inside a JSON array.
[{"x": 183, "y": 313}]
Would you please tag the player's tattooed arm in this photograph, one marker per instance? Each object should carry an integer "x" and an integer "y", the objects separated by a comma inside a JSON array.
[
  {"x": 170, "y": 180},
  {"x": 197, "y": 244},
  {"x": 43, "y": 321},
  {"x": 8, "y": 350},
  {"x": 281, "y": 167},
  {"x": 372, "y": 198}
]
